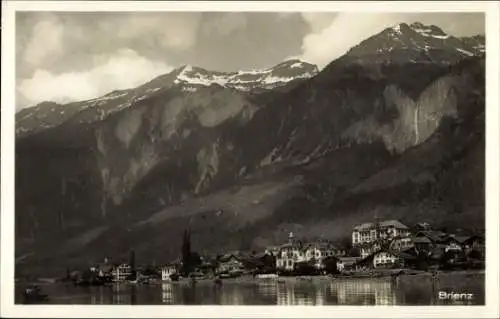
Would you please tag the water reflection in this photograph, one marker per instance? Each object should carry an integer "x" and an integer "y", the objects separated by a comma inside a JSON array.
[
  {"x": 299, "y": 294},
  {"x": 410, "y": 290},
  {"x": 99, "y": 297},
  {"x": 365, "y": 292},
  {"x": 167, "y": 293},
  {"x": 232, "y": 295},
  {"x": 267, "y": 288},
  {"x": 120, "y": 294}
]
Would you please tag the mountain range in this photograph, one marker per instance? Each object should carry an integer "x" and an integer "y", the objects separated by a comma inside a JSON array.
[{"x": 393, "y": 128}]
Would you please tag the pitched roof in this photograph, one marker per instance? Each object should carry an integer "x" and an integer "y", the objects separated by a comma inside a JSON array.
[
  {"x": 421, "y": 240},
  {"x": 435, "y": 236},
  {"x": 406, "y": 256},
  {"x": 292, "y": 245},
  {"x": 475, "y": 237},
  {"x": 320, "y": 245},
  {"x": 252, "y": 262},
  {"x": 368, "y": 244},
  {"x": 105, "y": 268},
  {"x": 394, "y": 223},
  {"x": 168, "y": 266},
  {"x": 228, "y": 257},
  {"x": 387, "y": 251},
  {"x": 364, "y": 226},
  {"x": 410, "y": 251},
  {"x": 349, "y": 260},
  {"x": 386, "y": 223},
  {"x": 450, "y": 238},
  {"x": 462, "y": 239}
]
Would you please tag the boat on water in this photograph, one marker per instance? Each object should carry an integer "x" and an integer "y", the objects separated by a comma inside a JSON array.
[
  {"x": 266, "y": 276},
  {"x": 33, "y": 294}
]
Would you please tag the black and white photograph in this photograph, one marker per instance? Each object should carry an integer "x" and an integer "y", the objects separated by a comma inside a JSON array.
[{"x": 226, "y": 154}]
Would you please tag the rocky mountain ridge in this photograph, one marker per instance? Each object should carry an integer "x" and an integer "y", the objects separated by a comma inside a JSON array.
[
  {"x": 418, "y": 43},
  {"x": 186, "y": 78},
  {"x": 404, "y": 140}
]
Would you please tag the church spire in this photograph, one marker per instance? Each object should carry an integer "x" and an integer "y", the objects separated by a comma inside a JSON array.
[{"x": 377, "y": 225}]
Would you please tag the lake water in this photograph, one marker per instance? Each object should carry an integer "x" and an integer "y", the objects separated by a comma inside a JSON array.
[{"x": 407, "y": 290}]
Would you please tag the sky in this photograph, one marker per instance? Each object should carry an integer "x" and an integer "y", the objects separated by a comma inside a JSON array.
[{"x": 65, "y": 57}]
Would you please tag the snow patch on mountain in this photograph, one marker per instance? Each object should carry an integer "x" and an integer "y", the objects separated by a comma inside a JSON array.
[
  {"x": 406, "y": 43},
  {"x": 296, "y": 65},
  {"x": 248, "y": 79},
  {"x": 428, "y": 31},
  {"x": 465, "y": 52},
  {"x": 188, "y": 79}
]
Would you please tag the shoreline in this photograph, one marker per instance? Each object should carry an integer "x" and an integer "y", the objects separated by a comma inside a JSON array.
[
  {"x": 374, "y": 274},
  {"x": 248, "y": 279}
]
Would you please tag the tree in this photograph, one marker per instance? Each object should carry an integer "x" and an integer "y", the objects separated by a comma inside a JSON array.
[
  {"x": 68, "y": 274},
  {"x": 268, "y": 261},
  {"x": 132, "y": 260},
  {"x": 476, "y": 254},
  {"x": 195, "y": 260},
  {"x": 448, "y": 259},
  {"x": 305, "y": 268},
  {"x": 345, "y": 243},
  {"x": 422, "y": 261},
  {"x": 354, "y": 252},
  {"x": 133, "y": 273},
  {"x": 331, "y": 265},
  {"x": 150, "y": 271},
  {"x": 186, "y": 253}
]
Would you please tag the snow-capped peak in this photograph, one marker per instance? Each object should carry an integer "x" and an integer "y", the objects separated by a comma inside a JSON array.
[
  {"x": 296, "y": 65},
  {"x": 416, "y": 42},
  {"x": 187, "y": 68},
  {"x": 397, "y": 28},
  {"x": 246, "y": 80},
  {"x": 188, "y": 78},
  {"x": 428, "y": 31}
]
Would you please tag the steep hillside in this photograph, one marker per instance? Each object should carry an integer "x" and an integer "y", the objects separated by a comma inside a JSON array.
[{"x": 404, "y": 139}]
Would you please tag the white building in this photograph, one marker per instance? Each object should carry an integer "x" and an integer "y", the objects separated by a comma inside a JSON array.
[
  {"x": 272, "y": 250},
  {"x": 401, "y": 243},
  {"x": 318, "y": 252},
  {"x": 121, "y": 272},
  {"x": 230, "y": 264},
  {"x": 289, "y": 254},
  {"x": 370, "y": 232},
  {"x": 167, "y": 271},
  {"x": 340, "y": 266},
  {"x": 384, "y": 259},
  {"x": 366, "y": 249},
  {"x": 292, "y": 253}
]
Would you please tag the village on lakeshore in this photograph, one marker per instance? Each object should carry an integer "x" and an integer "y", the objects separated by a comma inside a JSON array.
[{"x": 377, "y": 249}]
